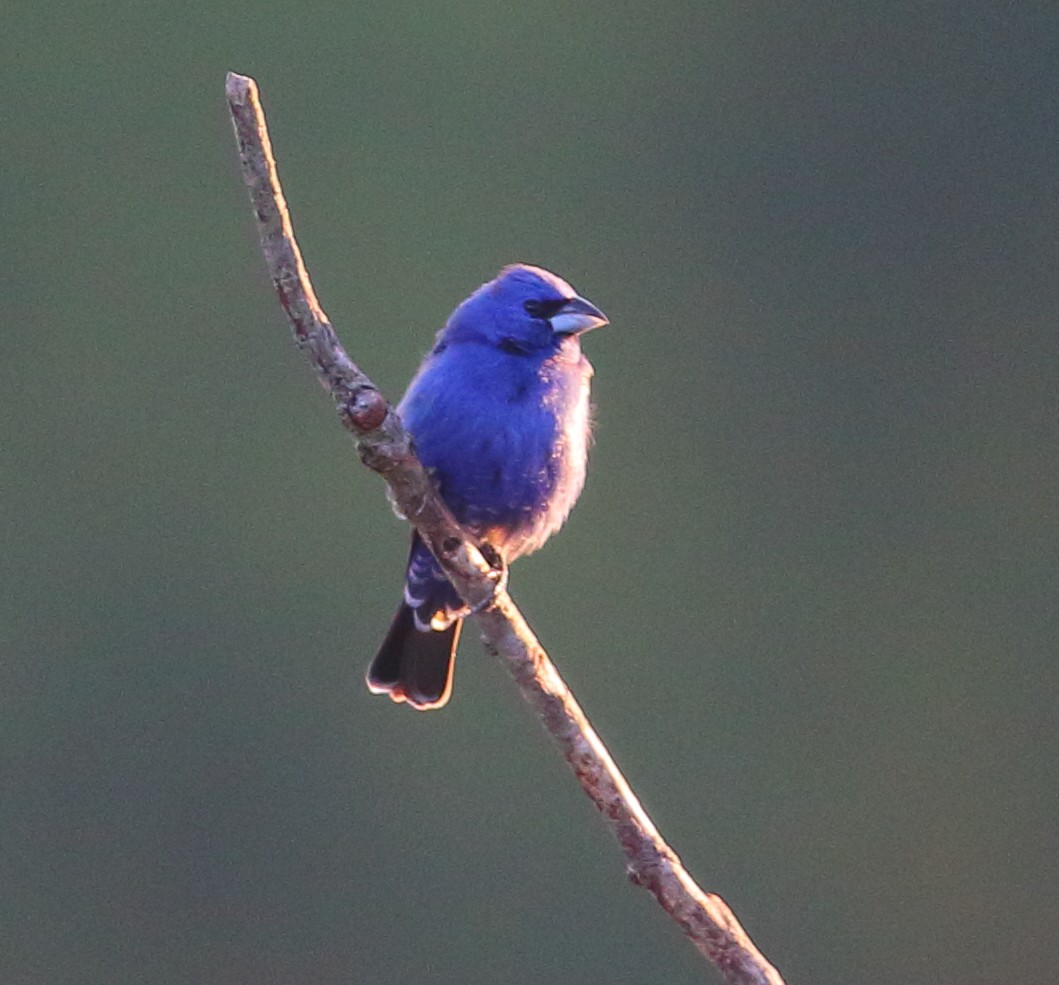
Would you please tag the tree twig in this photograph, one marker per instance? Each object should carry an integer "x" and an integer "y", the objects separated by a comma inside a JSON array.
[{"x": 386, "y": 448}]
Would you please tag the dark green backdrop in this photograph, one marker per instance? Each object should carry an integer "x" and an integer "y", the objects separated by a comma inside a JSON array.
[{"x": 809, "y": 596}]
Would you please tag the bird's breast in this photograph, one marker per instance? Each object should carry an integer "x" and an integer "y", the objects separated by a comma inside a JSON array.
[{"x": 507, "y": 441}]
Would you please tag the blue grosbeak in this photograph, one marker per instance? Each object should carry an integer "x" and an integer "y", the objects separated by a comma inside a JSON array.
[{"x": 499, "y": 411}]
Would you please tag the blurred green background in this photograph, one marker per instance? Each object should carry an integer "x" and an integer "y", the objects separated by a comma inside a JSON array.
[{"x": 809, "y": 596}]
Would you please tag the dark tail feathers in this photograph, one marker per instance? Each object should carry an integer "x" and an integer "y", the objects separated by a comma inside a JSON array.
[{"x": 415, "y": 665}]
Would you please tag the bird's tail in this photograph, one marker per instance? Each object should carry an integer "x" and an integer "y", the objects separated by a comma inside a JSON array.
[
  {"x": 415, "y": 661},
  {"x": 413, "y": 664}
]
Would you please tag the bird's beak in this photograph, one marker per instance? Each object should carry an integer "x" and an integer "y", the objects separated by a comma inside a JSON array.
[{"x": 577, "y": 316}]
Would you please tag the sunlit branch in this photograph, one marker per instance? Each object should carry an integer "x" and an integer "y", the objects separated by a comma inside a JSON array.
[{"x": 385, "y": 447}]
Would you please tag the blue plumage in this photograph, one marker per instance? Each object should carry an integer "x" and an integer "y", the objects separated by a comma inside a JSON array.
[{"x": 500, "y": 413}]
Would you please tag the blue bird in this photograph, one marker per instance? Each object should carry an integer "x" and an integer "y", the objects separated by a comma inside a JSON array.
[{"x": 499, "y": 411}]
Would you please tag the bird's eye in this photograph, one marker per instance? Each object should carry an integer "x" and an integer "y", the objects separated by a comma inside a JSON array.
[{"x": 537, "y": 308}]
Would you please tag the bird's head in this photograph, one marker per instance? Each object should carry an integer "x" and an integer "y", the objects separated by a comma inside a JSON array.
[{"x": 523, "y": 310}]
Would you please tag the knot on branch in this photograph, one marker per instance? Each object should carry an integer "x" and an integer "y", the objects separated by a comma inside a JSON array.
[{"x": 365, "y": 410}]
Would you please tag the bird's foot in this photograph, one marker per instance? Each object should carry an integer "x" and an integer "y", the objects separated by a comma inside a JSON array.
[{"x": 497, "y": 575}]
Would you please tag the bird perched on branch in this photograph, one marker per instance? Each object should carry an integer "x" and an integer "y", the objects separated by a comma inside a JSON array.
[{"x": 499, "y": 411}]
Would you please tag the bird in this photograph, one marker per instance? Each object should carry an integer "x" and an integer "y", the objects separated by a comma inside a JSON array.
[{"x": 499, "y": 413}]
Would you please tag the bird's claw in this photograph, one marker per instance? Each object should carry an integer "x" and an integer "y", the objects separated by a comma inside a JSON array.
[{"x": 497, "y": 575}]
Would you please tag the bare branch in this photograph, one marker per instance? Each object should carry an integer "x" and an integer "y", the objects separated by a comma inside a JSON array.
[{"x": 386, "y": 448}]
